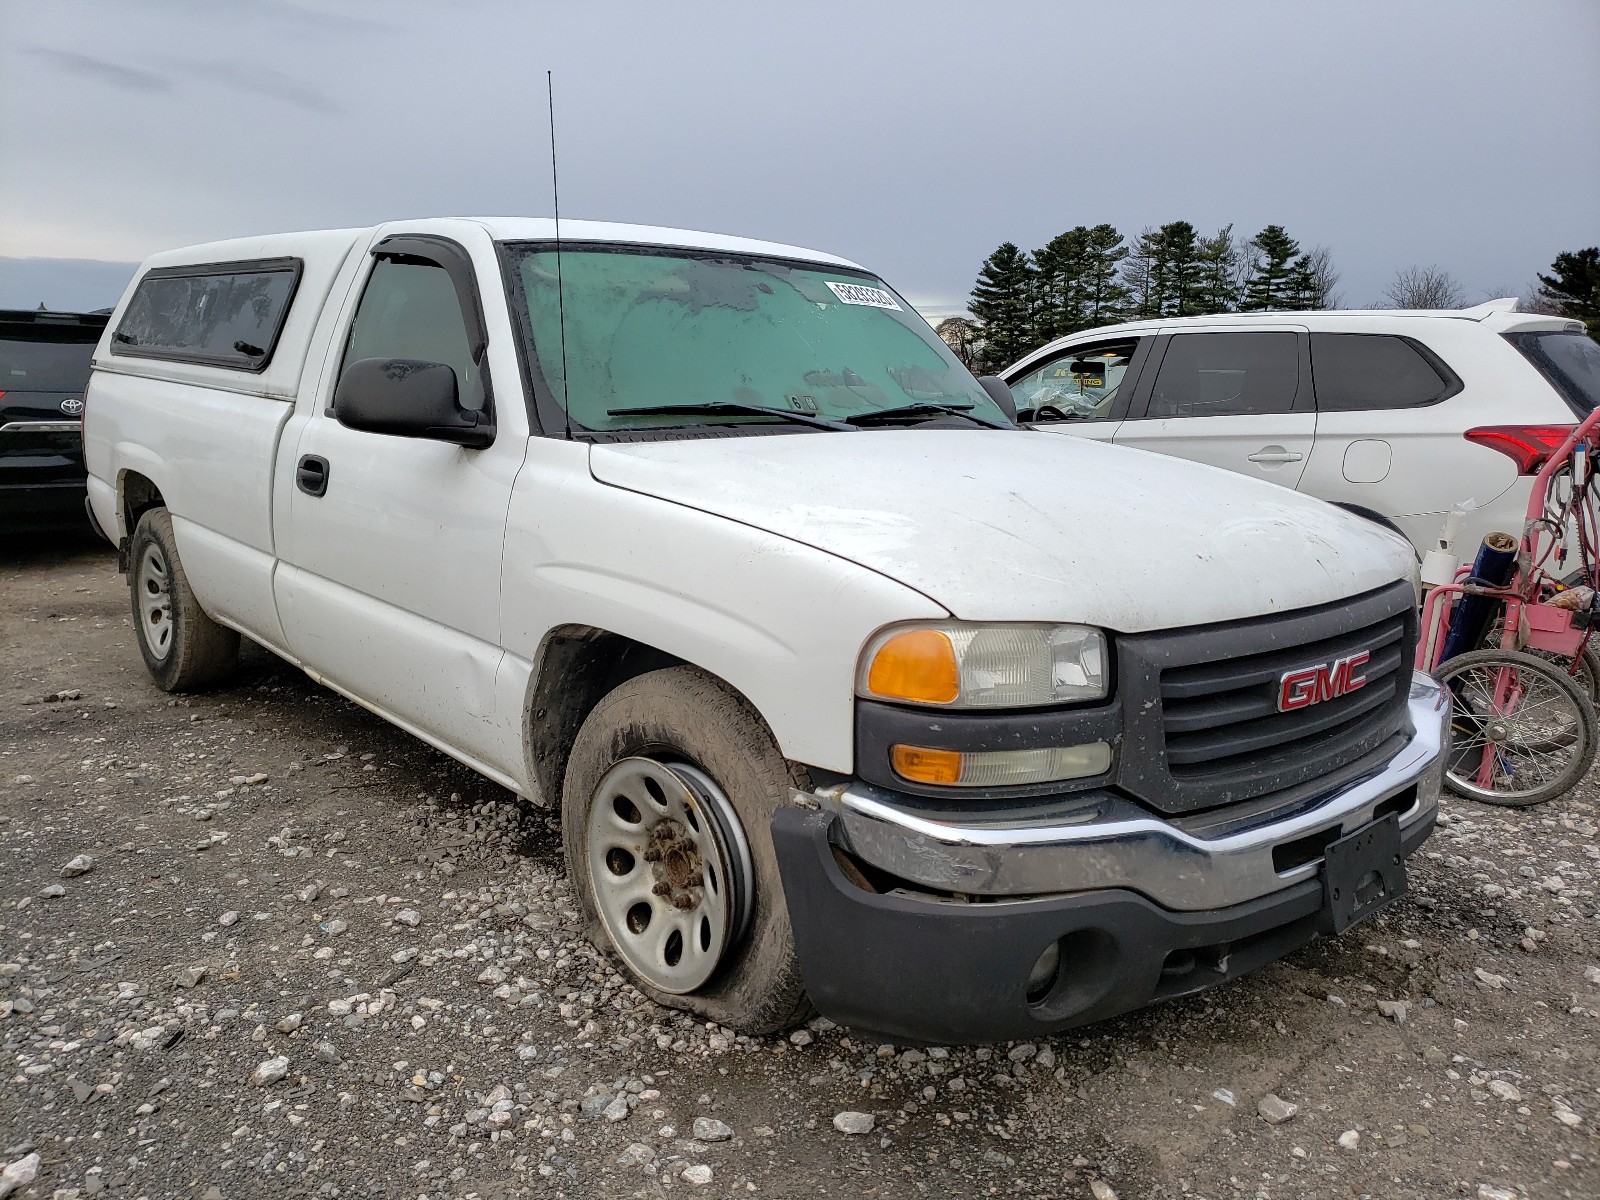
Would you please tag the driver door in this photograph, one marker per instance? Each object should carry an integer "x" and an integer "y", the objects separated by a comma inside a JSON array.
[{"x": 1082, "y": 389}]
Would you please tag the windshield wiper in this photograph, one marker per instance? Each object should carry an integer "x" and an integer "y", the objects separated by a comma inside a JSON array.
[
  {"x": 713, "y": 408},
  {"x": 924, "y": 408}
]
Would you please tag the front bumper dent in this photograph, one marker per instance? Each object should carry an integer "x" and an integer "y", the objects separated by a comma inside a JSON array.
[{"x": 1140, "y": 909}]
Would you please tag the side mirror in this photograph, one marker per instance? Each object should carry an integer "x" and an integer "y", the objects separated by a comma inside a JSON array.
[
  {"x": 1000, "y": 394},
  {"x": 407, "y": 398}
]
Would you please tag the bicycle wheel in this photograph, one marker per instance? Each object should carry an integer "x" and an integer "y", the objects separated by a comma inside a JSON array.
[{"x": 1522, "y": 731}]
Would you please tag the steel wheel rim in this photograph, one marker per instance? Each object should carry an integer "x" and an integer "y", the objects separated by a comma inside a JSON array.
[
  {"x": 153, "y": 588},
  {"x": 668, "y": 871},
  {"x": 1515, "y": 752}
]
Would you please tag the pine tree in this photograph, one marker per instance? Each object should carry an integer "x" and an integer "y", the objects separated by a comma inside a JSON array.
[
  {"x": 1182, "y": 292},
  {"x": 1574, "y": 286},
  {"x": 1271, "y": 276},
  {"x": 1061, "y": 264},
  {"x": 1003, "y": 303},
  {"x": 1219, "y": 272},
  {"x": 1141, "y": 275},
  {"x": 1105, "y": 299}
]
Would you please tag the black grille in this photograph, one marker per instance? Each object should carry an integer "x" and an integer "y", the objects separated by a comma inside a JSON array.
[{"x": 1204, "y": 725}]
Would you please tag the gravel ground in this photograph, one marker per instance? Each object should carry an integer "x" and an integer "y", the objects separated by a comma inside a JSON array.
[{"x": 258, "y": 943}]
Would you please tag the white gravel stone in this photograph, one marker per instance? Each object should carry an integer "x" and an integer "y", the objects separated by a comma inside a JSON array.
[
  {"x": 408, "y": 916},
  {"x": 1349, "y": 1139},
  {"x": 228, "y": 919},
  {"x": 854, "y": 1123},
  {"x": 19, "y": 1174},
  {"x": 81, "y": 865},
  {"x": 270, "y": 1071},
  {"x": 699, "y": 1175},
  {"x": 1275, "y": 1110},
  {"x": 1502, "y": 1090},
  {"x": 617, "y": 1110},
  {"x": 1395, "y": 1010},
  {"x": 52, "y": 891},
  {"x": 1101, "y": 1190},
  {"x": 709, "y": 1129},
  {"x": 1487, "y": 1191}
]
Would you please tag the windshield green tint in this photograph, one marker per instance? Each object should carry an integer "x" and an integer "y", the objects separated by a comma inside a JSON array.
[{"x": 649, "y": 328}]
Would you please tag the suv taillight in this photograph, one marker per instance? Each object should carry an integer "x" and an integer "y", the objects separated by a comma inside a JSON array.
[{"x": 1530, "y": 446}]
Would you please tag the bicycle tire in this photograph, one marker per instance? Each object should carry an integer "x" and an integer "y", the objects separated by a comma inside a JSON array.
[{"x": 1551, "y": 743}]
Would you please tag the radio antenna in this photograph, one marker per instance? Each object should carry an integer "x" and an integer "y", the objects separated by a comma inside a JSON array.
[{"x": 561, "y": 300}]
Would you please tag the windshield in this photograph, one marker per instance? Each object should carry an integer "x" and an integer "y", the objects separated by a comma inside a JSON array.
[
  {"x": 29, "y": 365},
  {"x": 650, "y": 328},
  {"x": 1570, "y": 361}
]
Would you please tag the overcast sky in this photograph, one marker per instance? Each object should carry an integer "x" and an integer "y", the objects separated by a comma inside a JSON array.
[{"x": 913, "y": 137}]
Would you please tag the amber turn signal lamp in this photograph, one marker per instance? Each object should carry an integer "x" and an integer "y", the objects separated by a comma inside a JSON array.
[
  {"x": 926, "y": 766},
  {"x": 917, "y": 665}
]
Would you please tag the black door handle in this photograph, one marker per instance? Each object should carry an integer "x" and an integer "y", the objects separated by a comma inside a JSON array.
[{"x": 311, "y": 476}]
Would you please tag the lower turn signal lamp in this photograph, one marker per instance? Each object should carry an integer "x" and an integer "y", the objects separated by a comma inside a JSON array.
[{"x": 999, "y": 768}]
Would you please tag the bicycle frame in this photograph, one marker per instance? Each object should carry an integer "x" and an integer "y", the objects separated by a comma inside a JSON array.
[{"x": 1526, "y": 622}]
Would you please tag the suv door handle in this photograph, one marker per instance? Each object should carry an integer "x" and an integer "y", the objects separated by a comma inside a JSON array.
[
  {"x": 311, "y": 476},
  {"x": 1275, "y": 454}
]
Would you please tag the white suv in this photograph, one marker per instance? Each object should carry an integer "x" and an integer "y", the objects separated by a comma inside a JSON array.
[{"x": 1396, "y": 415}]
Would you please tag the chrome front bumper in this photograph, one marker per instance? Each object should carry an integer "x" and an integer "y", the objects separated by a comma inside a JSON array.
[{"x": 1081, "y": 842}]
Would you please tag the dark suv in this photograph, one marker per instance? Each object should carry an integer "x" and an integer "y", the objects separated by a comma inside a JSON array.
[{"x": 44, "y": 368}]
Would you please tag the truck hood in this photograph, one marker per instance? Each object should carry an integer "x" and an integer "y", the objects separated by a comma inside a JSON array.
[{"x": 1028, "y": 526}]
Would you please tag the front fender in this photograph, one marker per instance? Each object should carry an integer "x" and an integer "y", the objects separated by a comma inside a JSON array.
[{"x": 780, "y": 622}]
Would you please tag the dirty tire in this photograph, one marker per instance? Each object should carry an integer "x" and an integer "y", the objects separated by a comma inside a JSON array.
[
  {"x": 681, "y": 713},
  {"x": 196, "y": 653}
]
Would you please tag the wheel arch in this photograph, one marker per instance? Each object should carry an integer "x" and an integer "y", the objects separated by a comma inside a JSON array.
[
  {"x": 577, "y": 665},
  {"x": 136, "y": 495}
]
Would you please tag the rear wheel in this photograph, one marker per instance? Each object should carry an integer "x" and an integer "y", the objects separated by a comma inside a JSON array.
[
  {"x": 666, "y": 807},
  {"x": 184, "y": 650},
  {"x": 1522, "y": 731}
]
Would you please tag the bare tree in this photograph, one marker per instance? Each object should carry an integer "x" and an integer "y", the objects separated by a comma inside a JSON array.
[
  {"x": 1425, "y": 287},
  {"x": 1319, "y": 280},
  {"x": 964, "y": 338}
]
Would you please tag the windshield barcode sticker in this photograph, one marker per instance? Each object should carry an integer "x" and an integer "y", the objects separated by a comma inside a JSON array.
[{"x": 860, "y": 293}]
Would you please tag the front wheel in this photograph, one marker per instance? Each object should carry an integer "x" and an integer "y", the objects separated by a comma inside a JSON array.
[
  {"x": 666, "y": 808},
  {"x": 1522, "y": 731}
]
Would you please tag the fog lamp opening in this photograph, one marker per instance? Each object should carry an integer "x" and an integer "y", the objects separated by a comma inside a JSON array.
[{"x": 1043, "y": 976}]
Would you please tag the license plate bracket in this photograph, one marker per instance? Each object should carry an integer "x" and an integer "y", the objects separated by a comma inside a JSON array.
[{"x": 1362, "y": 872}]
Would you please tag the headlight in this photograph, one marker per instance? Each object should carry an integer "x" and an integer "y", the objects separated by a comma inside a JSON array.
[{"x": 960, "y": 665}]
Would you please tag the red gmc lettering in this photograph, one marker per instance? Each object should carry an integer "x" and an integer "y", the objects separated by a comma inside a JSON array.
[{"x": 1325, "y": 681}]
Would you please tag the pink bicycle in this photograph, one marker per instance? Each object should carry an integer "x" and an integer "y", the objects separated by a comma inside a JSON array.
[{"x": 1512, "y": 641}]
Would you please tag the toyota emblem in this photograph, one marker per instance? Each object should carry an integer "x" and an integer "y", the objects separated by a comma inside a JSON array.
[{"x": 72, "y": 406}]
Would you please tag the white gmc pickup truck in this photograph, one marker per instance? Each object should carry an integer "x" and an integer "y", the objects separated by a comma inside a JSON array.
[{"x": 853, "y": 694}]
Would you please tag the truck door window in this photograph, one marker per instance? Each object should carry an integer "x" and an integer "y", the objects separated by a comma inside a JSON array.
[
  {"x": 1356, "y": 371},
  {"x": 1227, "y": 374},
  {"x": 410, "y": 310},
  {"x": 1082, "y": 384}
]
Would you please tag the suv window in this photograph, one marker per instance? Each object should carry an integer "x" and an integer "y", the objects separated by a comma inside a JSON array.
[
  {"x": 1355, "y": 371},
  {"x": 45, "y": 358},
  {"x": 410, "y": 309},
  {"x": 1226, "y": 374},
  {"x": 218, "y": 314},
  {"x": 1570, "y": 361},
  {"x": 1083, "y": 383}
]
